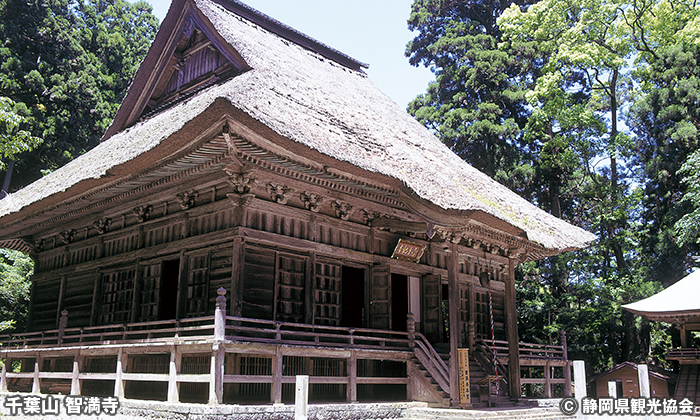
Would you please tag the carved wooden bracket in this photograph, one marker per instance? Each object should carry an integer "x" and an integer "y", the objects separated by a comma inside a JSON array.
[
  {"x": 241, "y": 182},
  {"x": 368, "y": 215},
  {"x": 67, "y": 236},
  {"x": 312, "y": 202},
  {"x": 102, "y": 225},
  {"x": 38, "y": 245},
  {"x": 278, "y": 193},
  {"x": 240, "y": 200},
  {"x": 143, "y": 213},
  {"x": 342, "y": 210},
  {"x": 187, "y": 199}
]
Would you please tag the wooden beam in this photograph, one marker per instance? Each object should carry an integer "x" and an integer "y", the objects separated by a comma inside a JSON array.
[
  {"x": 401, "y": 225},
  {"x": 512, "y": 332}
]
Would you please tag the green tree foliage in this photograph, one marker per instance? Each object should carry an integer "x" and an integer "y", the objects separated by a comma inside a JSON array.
[
  {"x": 666, "y": 120},
  {"x": 688, "y": 227},
  {"x": 15, "y": 270},
  {"x": 594, "y": 93},
  {"x": 13, "y": 140},
  {"x": 471, "y": 105},
  {"x": 67, "y": 65}
]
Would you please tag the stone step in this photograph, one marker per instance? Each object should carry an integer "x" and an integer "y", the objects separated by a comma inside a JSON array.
[{"x": 488, "y": 414}]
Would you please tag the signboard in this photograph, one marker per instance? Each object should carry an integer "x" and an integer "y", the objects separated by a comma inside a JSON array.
[
  {"x": 464, "y": 391},
  {"x": 408, "y": 251}
]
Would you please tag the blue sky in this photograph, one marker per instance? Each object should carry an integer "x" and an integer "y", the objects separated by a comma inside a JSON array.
[{"x": 371, "y": 31}]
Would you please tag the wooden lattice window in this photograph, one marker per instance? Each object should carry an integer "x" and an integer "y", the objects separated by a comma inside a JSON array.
[
  {"x": 328, "y": 282},
  {"x": 290, "y": 289},
  {"x": 150, "y": 292},
  {"x": 197, "y": 282},
  {"x": 483, "y": 316},
  {"x": 116, "y": 297}
]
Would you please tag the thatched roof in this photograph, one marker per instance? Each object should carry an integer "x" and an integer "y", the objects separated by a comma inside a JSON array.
[
  {"x": 680, "y": 300},
  {"x": 319, "y": 102}
]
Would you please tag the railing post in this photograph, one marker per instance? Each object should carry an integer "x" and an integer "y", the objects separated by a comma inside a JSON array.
[
  {"x": 411, "y": 328},
  {"x": 3, "y": 374},
  {"x": 216, "y": 381},
  {"x": 36, "y": 382},
  {"x": 220, "y": 315},
  {"x": 565, "y": 354},
  {"x": 218, "y": 355},
  {"x": 173, "y": 371},
  {"x": 278, "y": 333},
  {"x": 352, "y": 378},
  {"x": 63, "y": 321},
  {"x": 75, "y": 388},
  {"x": 278, "y": 367},
  {"x": 118, "y": 381}
]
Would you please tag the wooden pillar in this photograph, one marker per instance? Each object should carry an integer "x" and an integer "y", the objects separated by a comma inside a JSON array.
[
  {"x": 471, "y": 326},
  {"x": 36, "y": 382},
  {"x": 174, "y": 370},
  {"x": 118, "y": 381},
  {"x": 181, "y": 297},
  {"x": 684, "y": 336},
  {"x": 567, "y": 367},
  {"x": 136, "y": 292},
  {"x": 277, "y": 367},
  {"x": 61, "y": 299},
  {"x": 453, "y": 295},
  {"x": 352, "y": 378},
  {"x": 236, "y": 305},
  {"x": 512, "y": 330},
  {"x": 75, "y": 388}
]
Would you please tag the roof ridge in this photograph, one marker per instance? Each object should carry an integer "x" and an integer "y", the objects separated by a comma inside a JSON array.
[{"x": 287, "y": 32}]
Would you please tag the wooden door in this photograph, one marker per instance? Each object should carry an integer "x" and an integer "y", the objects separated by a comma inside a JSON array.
[
  {"x": 380, "y": 298},
  {"x": 431, "y": 321}
]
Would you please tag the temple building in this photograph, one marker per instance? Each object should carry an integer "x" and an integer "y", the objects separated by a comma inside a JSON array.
[
  {"x": 259, "y": 210},
  {"x": 679, "y": 304}
]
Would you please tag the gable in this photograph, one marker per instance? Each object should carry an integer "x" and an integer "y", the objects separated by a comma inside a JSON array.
[
  {"x": 200, "y": 60},
  {"x": 189, "y": 57}
]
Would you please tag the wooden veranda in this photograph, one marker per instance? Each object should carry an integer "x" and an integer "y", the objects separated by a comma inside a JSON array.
[{"x": 226, "y": 359}]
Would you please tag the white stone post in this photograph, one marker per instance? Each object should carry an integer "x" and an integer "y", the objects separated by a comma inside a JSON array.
[
  {"x": 301, "y": 399},
  {"x": 643, "y": 374},
  {"x": 579, "y": 384}
]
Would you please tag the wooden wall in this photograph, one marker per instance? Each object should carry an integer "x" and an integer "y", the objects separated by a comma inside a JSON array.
[{"x": 287, "y": 266}]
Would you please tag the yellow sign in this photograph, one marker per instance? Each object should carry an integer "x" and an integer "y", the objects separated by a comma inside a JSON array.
[
  {"x": 408, "y": 251},
  {"x": 465, "y": 395}
]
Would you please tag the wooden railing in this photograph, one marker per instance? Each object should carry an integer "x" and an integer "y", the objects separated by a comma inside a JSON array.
[
  {"x": 680, "y": 353},
  {"x": 265, "y": 331},
  {"x": 217, "y": 329},
  {"x": 115, "y": 333},
  {"x": 527, "y": 350}
]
